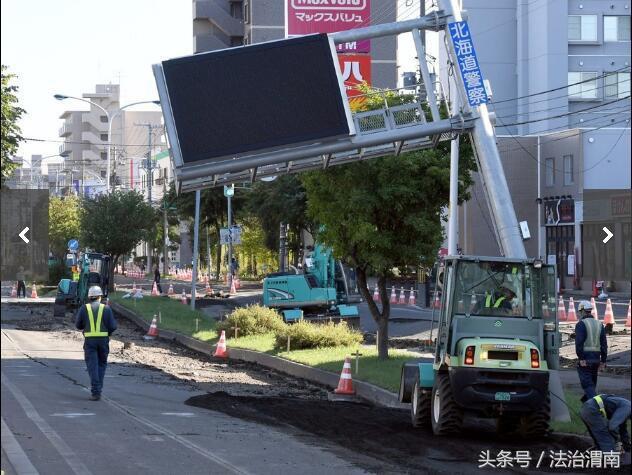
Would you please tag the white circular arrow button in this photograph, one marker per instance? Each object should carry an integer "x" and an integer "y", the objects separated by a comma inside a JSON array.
[{"x": 608, "y": 235}]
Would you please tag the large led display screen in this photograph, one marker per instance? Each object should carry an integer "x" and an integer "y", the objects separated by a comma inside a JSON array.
[{"x": 241, "y": 100}]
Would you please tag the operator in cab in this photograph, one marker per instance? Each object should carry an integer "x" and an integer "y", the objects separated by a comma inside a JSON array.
[
  {"x": 500, "y": 300},
  {"x": 591, "y": 348},
  {"x": 98, "y": 323}
]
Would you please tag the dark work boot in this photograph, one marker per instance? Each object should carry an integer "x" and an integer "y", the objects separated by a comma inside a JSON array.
[{"x": 95, "y": 397}]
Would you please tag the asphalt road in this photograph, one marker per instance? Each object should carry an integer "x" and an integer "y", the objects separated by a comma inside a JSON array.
[{"x": 140, "y": 426}]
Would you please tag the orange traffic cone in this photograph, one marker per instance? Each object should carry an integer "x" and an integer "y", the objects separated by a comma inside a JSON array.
[
  {"x": 594, "y": 312},
  {"x": 14, "y": 291},
  {"x": 170, "y": 291},
  {"x": 233, "y": 289},
  {"x": 393, "y": 296},
  {"x": 411, "y": 298},
  {"x": 628, "y": 321},
  {"x": 183, "y": 299},
  {"x": 133, "y": 287},
  {"x": 608, "y": 318},
  {"x": 207, "y": 289},
  {"x": 152, "y": 333},
  {"x": 561, "y": 310},
  {"x": 220, "y": 350},
  {"x": 376, "y": 294},
  {"x": 437, "y": 302},
  {"x": 345, "y": 384},
  {"x": 545, "y": 310},
  {"x": 402, "y": 297},
  {"x": 33, "y": 292},
  {"x": 154, "y": 290},
  {"x": 572, "y": 316},
  {"x": 473, "y": 302}
]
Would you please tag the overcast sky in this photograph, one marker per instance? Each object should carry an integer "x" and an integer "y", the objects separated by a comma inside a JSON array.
[{"x": 68, "y": 46}]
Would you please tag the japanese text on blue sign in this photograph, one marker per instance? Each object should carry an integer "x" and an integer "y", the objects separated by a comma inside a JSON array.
[{"x": 468, "y": 64}]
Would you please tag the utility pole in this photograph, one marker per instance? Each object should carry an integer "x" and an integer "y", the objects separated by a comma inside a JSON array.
[
  {"x": 165, "y": 231},
  {"x": 195, "y": 248},
  {"x": 149, "y": 166},
  {"x": 282, "y": 247}
]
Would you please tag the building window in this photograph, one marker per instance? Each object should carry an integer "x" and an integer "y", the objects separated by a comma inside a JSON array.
[
  {"x": 582, "y": 28},
  {"x": 549, "y": 172},
  {"x": 569, "y": 177},
  {"x": 616, "y": 28},
  {"x": 247, "y": 12},
  {"x": 104, "y": 119},
  {"x": 617, "y": 85},
  {"x": 102, "y": 173},
  {"x": 587, "y": 87},
  {"x": 104, "y": 137},
  {"x": 104, "y": 155}
]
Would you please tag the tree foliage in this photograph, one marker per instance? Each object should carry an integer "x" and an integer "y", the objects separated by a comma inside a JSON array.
[
  {"x": 63, "y": 223},
  {"x": 386, "y": 212},
  {"x": 11, "y": 114},
  {"x": 115, "y": 223}
]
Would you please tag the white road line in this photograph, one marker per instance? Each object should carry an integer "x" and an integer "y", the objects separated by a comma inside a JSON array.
[
  {"x": 72, "y": 415},
  {"x": 18, "y": 459},
  {"x": 64, "y": 450},
  {"x": 179, "y": 414}
]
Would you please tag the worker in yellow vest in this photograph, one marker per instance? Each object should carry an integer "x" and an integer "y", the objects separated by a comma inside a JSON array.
[
  {"x": 606, "y": 417},
  {"x": 97, "y": 322},
  {"x": 591, "y": 348}
]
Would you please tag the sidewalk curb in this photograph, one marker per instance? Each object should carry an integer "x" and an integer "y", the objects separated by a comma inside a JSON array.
[{"x": 366, "y": 391}]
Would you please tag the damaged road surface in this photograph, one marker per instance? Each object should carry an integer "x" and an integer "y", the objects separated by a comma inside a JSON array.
[{"x": 167, "y": 409}]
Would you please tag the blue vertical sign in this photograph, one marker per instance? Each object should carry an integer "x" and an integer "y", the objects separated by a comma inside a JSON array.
[{"x": 468, "y": 64}]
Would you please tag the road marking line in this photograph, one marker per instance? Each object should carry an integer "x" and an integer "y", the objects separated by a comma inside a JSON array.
[
  {"x": 64, "y": 450},
  {"x": 180, "y": 414},
  {"x": 72, "y": 415},
  {"x": 18, "y": 459}
]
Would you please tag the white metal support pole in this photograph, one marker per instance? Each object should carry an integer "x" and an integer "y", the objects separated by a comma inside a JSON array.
[
  {"x": 540, "y": 253},
  {"x": 196, "y": 233},
  {"x": 453, "y": 216},
  {"x": 230, "y": 242}
]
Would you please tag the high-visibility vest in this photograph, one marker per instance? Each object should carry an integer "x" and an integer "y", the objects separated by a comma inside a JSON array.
[
  {"x": 488, "y": 301},
  {"x": 593, "y": 334},
  {"x": 602, "y": 408},
  {"x": 95, "y": 329}
]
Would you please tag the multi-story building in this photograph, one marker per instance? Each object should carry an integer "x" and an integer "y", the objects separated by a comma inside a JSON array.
[
  {"x": 86, "y": 141},
  {"x": 560, "y": 78},
  {"x": 219, "y": 24}
]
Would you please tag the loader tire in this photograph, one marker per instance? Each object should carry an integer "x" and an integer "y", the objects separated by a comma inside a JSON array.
[
  {"x": 420, "y": 407},
  {"x": 535, "y": 425},
  {"x": 446, "y": 415}
]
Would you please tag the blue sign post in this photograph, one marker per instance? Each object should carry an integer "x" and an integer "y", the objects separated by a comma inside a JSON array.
[
  {"x": 73, "y": 245},
  {"x": 468, "y": 63}
]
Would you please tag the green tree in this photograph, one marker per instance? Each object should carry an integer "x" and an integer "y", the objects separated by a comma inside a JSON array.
[
  {"x": 115, "y": 223},
  {"x": 63, "y": 223},
  {"x": 11, "y": 114},
  {"x": 385, "y": 213}
]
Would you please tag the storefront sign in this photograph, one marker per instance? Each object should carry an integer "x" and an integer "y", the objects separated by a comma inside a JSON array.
[{"x": 560, "y": 211}]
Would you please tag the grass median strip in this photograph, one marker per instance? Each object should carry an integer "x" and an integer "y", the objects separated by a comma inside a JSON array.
[{"x": 177, "y": 317}]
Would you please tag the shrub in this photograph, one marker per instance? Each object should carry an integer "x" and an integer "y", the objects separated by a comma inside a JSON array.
[
  {"x": 305, "y": 334},
  {"x": 252, "y": 320}
]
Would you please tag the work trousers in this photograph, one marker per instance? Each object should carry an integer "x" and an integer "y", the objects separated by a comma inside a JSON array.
[
  {"x": 96, "y": 350},
  {"x": 597, "y": 425},
  {"x": 588, "y": 378},
  {"x": 21, "y": 288}
]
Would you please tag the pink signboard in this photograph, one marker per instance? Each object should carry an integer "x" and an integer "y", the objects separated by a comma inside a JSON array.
[{"x": 305, "y": 17}]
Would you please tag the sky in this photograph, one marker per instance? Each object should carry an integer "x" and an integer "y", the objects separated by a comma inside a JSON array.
[{"x": 69, "y": 46}]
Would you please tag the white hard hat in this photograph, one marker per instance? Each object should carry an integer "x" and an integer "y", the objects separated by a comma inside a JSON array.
[
  {"x": 585, "y": 305},
  {"x": 95, "y": 291}
]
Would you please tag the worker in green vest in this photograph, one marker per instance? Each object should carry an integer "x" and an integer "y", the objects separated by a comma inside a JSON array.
[
  {"x": 97, "y": 322},
  {"x": 591, "y": 348},
  {"x": 500, "y": 299}
]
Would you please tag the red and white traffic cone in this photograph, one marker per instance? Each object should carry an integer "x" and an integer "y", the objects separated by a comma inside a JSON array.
[
  {"x": 561, "y": 310},
  {"x": 237, "y": 283},
  {"x": 133, "y": 287},
  {"x": 233, "y": 289},
  {"x": 170, "y": 291},
  {"x": 14, "y": 291},
  {"x": 411, "y": 298},
  {"x": 572, "y": 316},
  {"x": 33, "y": 292},
  {"x": 376, "y": 294},
  {"x": 154, "y": 290},
  {"x": 393, "y": 295},
  {"x": 183, "y": 299},
  {"x": 221, "y": 351},
  {"x": 473, "y": 302},
  {"x": 207, "y": 289},
  {"x": 402, "y": 297},
  {"x": 152, "y": 333},
  {"x": 594, "y": 312},
  {"x": 628, "y": 321},
  {"x": 608, "y": 318},
  {"x": 437, "y": 302},
  {"x": 345, "y": 384}
]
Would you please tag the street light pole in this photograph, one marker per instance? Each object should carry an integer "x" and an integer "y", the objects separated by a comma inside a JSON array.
[{"x": 61, "y": 97}]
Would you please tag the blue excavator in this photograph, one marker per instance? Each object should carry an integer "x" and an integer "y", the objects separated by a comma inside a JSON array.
[{"x": 323, "y": 289}]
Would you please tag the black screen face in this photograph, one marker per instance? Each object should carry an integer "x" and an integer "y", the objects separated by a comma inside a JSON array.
[{"x": 245, "y": 99}]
